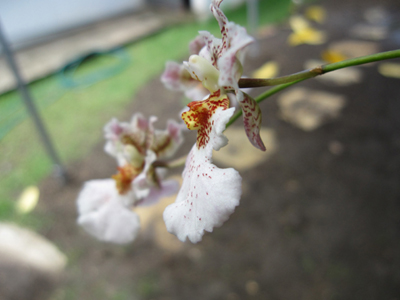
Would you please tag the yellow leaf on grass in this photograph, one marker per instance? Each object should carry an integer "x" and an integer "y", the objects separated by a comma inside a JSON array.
[
  {"x": 298, "y": 23},
  {"x": 389, "y": 70},
  {"x": 307, "y": 36},
  {"x": 303, "y": 33},
  {"x": 268, "y": 70},
  {"x": 316, "y": 13},
  {"x": 28, "y": 200},
  {"x": 331, "y": 56}
]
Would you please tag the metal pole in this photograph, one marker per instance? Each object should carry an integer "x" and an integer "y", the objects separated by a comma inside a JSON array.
[
  {"x": 252, "y": 25},
  {"x": 252, "y": 16},
  {"x": 44, "y": 136}
]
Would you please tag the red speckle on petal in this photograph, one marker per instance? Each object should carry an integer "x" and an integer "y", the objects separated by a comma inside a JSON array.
[{"x": 200, "y": 113}]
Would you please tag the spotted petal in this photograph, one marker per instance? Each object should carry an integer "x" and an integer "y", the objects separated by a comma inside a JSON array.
[
  {"x": 127, "y": 141},
  {"x": 208, "y": 195},
  {"x": 166, "y": 142},
  {"x": 200, "y": 118},
  {"x": 102, "y": 213},
  {"x": 222, "y": 21},
  {"x": 229, "y": 64},
  {"x": 177, "y": 78},
  {"x": 196, "y": 45},
  {"x": 212, "y": 49},
  {"x": 252, "y": 119}
]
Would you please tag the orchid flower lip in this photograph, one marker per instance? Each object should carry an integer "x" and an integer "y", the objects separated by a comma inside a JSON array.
[{"x": 201, "y": 205}]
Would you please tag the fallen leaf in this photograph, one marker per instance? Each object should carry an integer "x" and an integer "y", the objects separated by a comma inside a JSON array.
[
  {"x": 303, "y": 33},
  {"x": 331, "y": 56},
  {"x": 268, "y": 70},
  {"x": 298, "y": 23},
  {"x": 389, "y": 70},
  {"x": 316, "y": 13},
  {"x": 28, "y": 200},
  {"x": 307, "y": 36}
]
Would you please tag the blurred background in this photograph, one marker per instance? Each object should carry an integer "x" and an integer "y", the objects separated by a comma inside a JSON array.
[{"x": 319, "y": 215}]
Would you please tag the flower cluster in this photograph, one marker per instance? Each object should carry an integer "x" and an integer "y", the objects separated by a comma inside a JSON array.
[
  {"x": 105, "y": 205},
  {"x": 208, "y": 195}
]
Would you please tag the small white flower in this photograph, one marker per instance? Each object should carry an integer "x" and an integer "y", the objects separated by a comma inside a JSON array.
[{"x": 105, "y": 206}]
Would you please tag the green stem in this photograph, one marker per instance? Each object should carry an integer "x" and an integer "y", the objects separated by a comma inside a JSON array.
[
  {"x": 286, "y": 81},
  {"x": 310, "y": 73},
  {"x": 361, "y": 60},
  {"x": 258, "y": 82}
]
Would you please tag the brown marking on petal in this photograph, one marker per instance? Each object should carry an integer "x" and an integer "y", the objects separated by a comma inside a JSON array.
[
  {"x": 160, "y": 145},
  {"x": 124, "y": 177},
  {"x": 200, "y": 113},
  {"x": 130, "y": 140},
  {"x": 252, "y": 121}
]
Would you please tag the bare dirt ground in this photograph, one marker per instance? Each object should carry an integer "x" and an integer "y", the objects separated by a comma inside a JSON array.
[{"x": 314, "y": 223}]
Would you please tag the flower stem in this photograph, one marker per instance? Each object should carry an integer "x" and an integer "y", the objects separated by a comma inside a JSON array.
[
  {"x": 310, "y": 73},
  {"x": 286, "y": 81}
]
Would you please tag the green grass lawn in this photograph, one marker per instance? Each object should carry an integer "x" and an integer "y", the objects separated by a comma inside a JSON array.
[{"x": 75, "y": 117}]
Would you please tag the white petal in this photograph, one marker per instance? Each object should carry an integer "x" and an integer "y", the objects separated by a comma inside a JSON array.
[
  {"x": 115, "y": 132},
  {"x": 143, "y": 182},
  {"x": 94, "y": 194},
  {"x": 213, "y": 48},
  {"x": 103, "y": 215},
  {"x": 177, "y": 78},
  {"x": 229, "y": 65},
  {"x": 166, "y": 142},
  {"x": 217, "y": 138},
  {"x": 207, "y": 198},
  {"x": 196, "y": 45}
]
